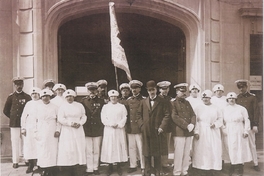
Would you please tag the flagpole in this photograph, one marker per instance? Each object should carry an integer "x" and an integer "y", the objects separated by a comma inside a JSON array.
[{"x": 116, "y": 79}]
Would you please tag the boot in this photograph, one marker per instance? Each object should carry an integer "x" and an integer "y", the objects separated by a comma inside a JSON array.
[
  {"x": 231, "y": 170},
  {"x": 110, "y": 169},
  {"x": 30, "y": 166},
  {"x": 240, "y": 169},
  {"x": 119, "y": 169}
]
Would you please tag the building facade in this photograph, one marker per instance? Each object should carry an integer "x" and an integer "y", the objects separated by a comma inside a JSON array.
[{"x": 202, "y": 41}]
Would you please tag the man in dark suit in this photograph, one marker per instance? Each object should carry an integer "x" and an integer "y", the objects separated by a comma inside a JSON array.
[
  {"x": 153, "y": 117},
  {"x": 13, "y": 109},
  {"x": 93, "y": 128},
  {"x": 249, "y": 101}
]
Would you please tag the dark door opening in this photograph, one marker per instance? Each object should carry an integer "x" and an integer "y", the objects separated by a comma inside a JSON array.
[{"x": 154, "y": 48}]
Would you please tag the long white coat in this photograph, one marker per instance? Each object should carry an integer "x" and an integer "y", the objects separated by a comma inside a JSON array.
[
  {"x": 207, "y": 150},
  {"x": 221, "y": 103},
  {"x": 28, "y": 122},
  {"x": 194, "y": 101},
  {"x": 114, "y": 146},
  {"x": 47, "y": 125},
  {"x": 237, "y": 123},
  {"x": 71, "y": 150},
  {"x": 58, "y": 101}
]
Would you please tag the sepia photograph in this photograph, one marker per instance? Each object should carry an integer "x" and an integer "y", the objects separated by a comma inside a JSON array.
[{"x": 131, "y": 87}]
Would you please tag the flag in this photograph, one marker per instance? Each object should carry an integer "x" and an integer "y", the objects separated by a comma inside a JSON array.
[{"x": 118, "y": 53}]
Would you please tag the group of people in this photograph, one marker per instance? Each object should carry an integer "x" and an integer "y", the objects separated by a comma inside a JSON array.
[{"x": 62, "y": 136}]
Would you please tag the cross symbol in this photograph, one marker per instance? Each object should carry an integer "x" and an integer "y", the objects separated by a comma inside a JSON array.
[{"x": 204, "y": 94}]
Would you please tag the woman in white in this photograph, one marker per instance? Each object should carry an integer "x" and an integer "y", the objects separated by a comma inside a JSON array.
[
  {"x": 28, "y": 125},
  {"x": 114, "y": 147},
  {"x": 59, "y": 89},
  {"x": 47, "y": 133},
  {"x": 71, "y": 150},
  {"x": 236, "y": 130},
  {"x": 207, "y": 146}
]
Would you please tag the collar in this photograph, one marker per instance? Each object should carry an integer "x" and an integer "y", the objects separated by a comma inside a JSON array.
[{"x": 153, "y": 99}]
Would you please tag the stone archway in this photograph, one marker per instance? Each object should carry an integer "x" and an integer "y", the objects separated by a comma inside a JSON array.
[{"x": 177, "y": 15}]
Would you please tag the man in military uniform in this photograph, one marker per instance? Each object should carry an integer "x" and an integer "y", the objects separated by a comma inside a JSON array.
[
  {"x": 125, "y": 92},
  {"x": 249, "y": 101},
  {"x": 102, "y": 90},
  {"x": 164, "y": 88},
  {"x": 153, "y": 117},
  {"x": 133, "y": 131},
  {"x": 93, "y": 128},
  {"x": 184, "y": 121},
  {"x": 13, "y": 109}
]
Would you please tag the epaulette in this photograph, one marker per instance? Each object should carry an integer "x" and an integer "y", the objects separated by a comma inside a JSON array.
[
  {"x": 129, "y": 98},
  {"x": 173, "y": 99},
  {"x": 11, "y": 94},
  {"x": 85, "y": 98},
  {"x": 252, "y": 94}
]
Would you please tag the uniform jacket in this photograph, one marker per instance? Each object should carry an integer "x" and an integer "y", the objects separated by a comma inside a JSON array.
[
  {"x": 170, "y": 124},
  {"x": 133, "y": 105},
  {"x": 249, "y": 101},
  {"x": 149, "y": 120},
  {"x": 182, "y": 115},
  {"x": 93, "y": 126},
  {"x": 14, "y": 106}
]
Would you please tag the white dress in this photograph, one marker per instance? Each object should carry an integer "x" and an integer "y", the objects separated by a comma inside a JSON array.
[
  {"x": 237, "y": 123},
  {"x": 221, "y": 103},
  {"x": 114, "y": 146},
  {"x": 207, "y": 150},
  {"x": 28, "y": 122},
  {"x": 58, "y": 100},
  {"x": 71, "y": 150},
  {"x": 194, "y": 101},
  {"x": 47, "y": 125}
]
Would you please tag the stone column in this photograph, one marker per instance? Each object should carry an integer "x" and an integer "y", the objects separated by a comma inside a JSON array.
[{"x": 30, "y": 42}]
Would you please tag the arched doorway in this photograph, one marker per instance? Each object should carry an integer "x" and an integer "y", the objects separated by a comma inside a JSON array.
[{"x": 154, "y": 48}]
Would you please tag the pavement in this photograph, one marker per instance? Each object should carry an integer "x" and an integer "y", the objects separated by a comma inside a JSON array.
[{"x": 7, "y": 169}]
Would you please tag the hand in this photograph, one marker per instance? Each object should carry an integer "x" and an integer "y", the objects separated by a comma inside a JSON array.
[
  {"x": 56, "y": 134},
  {"x": 160, "y": 130},
  {"x": 23, "y": 132},
  {"x": 245, "y": 135},
  {"x": 115, "y": 125},
  {"x": 196, "y": 136},
  {"x": 75, "y": 125},
  {"x": 212, "y": 126},
  {"x": 190, "y": 127},
  {"x": 255, "y": 129}
]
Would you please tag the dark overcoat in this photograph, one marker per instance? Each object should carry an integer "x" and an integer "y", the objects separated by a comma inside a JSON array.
[{"x": 149, "y": 120}]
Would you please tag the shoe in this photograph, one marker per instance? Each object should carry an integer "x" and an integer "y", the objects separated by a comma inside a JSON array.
[
  {"x": 130, "y": 170},
  {"x": 30, "y": 167},
  {"x": 26, "y": 163},
  {"x": 96, "y": 172},
  {"x": 29, "y": 170},
  {"x": 15, "y": 165},
  {"x": 110, "y": 170},
  {"x": 119, "y": 171},
  {"x": 256, "y": 168}
]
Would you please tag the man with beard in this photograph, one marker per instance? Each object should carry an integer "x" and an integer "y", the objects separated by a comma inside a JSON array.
[
  {"x": 184, "y": 120},
  {"x": 13, "y": 109}
]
